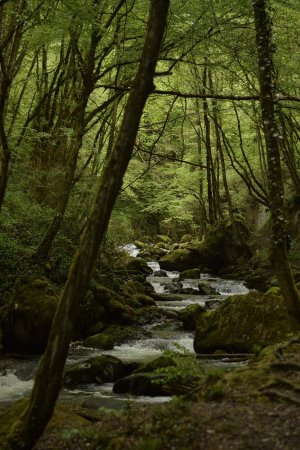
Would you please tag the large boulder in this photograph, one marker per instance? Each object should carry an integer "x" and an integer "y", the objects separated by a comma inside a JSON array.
[
  {"x": 223, "y": 247},
  {"x": 243, "y": 323},
  {"x": 205, "y": 289},
  {"x": 128, "y": 265},
  {"x": 115, "y": 335},
  {"x": 190, "y": 315},
  {"x": 148, "y": 384},
  {"x": 115, "y": 307},
  {"x": 99, "y": 369},
  {"x": 29, "y": 315},
  {"x": 191, "y": 274},
  {"x": 180, "y": 259},
  {"x": 147, "y": 379}
]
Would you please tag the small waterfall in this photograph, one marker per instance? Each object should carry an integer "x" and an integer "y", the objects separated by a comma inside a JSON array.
[
  {"x": 131, "y": 249},
  {"x": 12, "y": 388}
]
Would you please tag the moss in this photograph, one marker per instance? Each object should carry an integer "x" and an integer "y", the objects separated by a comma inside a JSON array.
[
  {"x": 129, "y": 265},
  {"x": 243, "y": 322},
  {"x": 163, "y": 238},
  {"x": 190, "y": 315},
  {"x": 100, "y": 340},
  {"x": 192, "y": 274},
  {"x": 161, "y": 362},
  {"x": 222, "y": 247},
  {"x": 133, "y": 287},
  {"x": 274, "y": 290},
  {"x": 99, "y": 369},
  {"x": 120, "y": 333},
  {"x": 29, "y": 316},
  {"x": 186, "y": 238},
  {"x": 180, "y": 259},
  {"x": 144, "y": 300}
]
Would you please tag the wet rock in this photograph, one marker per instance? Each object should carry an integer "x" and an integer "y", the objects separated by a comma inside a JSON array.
[
  {"x": 130, "y": 265},
  {"x": 243, "y": 322},
  {"x": 205, "y": 289},
  {"x": 160, "y": 273},
  {"x": 141, "y": 384},
  {"x": 99, "y": 369},
  {"x": 190, "y": 291},
  {"x": 99, "y": 340},
  {"x": 115, "y": 308},
  {"x": 152, "y": 253},
  {"x": 179, "y": 259},
  {"x": 190, "y": 315},
  {"x": 161, "y": 362},
  {"x": 119, "y": 334},
  {"x": 192, "y": 274},
  {"x": 222, "y": 247},
  {"x": 144, "y": 300},
  {"x": 140, "y": 244},
  {"x": 212, "y": 303},
  {"x": 29, "y": 315},
  {"x": 173, "y": 288},
  {"x": 132, "y": 287}
]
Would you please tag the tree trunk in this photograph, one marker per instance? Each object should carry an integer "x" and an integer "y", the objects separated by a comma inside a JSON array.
[
  {"x": 278, "y": 252},
  {"x": 208, "y": 148},
  {"x": 47, "y": 384}
]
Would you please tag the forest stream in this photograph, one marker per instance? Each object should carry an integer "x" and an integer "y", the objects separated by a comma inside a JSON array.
[{"x": 16, "y": 372}]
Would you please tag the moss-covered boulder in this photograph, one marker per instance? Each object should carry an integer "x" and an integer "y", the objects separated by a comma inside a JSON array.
[
  {"x": 148, "y": 384},
  {"x": 132, "y": 287},
  {"x": 99, "y": 369},
  {"x": 119, "y": 334},
  {"x": 128, "y": 265},
  {"x": 115, "y": 307},
  {"x": 190, "y": 315},
  {"x": 186, "y": 238},
  {"x": 100, "y": 340},
  {"x": 180, "y": 259},
  {"x": 205, "y": 289},
  {"x": 192, "y": 274},
  {"x": 144, "y": 300},
  {"x": 243, "y": 323},
  {"x": 152, "y": 253},
  {"x": 91, "y": 313},
  {"x": 222, "y": 247},
  {"x": 163, "y": 238},
  {"x": 29, "y": 315}
]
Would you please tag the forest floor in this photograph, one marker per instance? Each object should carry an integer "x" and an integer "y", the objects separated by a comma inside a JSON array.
[{"x": 254, "y": 407}]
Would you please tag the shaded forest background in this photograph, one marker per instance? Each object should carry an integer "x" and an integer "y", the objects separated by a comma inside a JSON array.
[{"x": 66, "y": 69}]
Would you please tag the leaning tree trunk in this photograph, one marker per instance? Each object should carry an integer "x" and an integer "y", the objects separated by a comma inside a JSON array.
[
  {"x": 47, "y": 384},
  {"x": 278, "y": 252}
]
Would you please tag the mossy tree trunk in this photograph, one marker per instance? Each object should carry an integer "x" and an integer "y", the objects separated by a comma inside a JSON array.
[
  {"x": 278, "y": 252},
  {"x": 47, "y": 384},
  {"x": 11, "y": 33}
]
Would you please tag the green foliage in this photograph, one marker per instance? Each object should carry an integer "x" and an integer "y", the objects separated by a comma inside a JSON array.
[
  {"x": 187, "y": 368},
  {"x": 216, "y": 391}
]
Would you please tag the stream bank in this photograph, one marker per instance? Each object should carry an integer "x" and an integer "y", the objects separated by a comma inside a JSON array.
[{"x": 165, "y": 333}]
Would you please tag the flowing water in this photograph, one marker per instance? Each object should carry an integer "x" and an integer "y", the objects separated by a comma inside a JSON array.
[{"x": 16, "y": 374}]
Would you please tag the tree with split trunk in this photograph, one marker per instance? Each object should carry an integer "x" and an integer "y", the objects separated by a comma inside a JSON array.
[
  {"x": 278, "y": 251},
  {"x": 29, "y": 427}
]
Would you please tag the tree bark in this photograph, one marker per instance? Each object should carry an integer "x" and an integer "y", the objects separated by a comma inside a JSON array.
[
  {"x": 278, "y": 252},
  {"x": 47, "y": 384}
]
